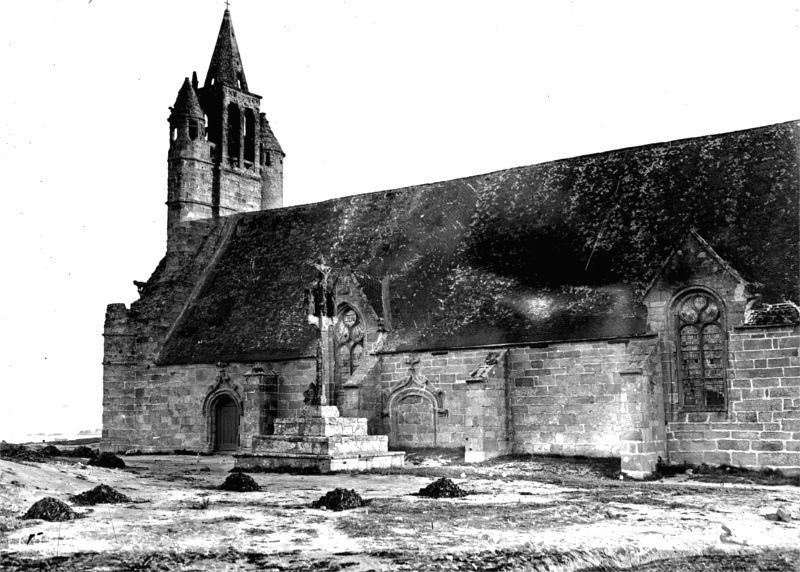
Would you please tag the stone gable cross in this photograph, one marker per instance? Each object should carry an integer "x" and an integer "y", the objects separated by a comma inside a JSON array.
[{"x": 412, "y": 366}]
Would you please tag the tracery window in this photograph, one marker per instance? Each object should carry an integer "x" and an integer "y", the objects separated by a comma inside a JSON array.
[
  {"x": 701, "y": 353},
  {"x": 349, "y": 341}
]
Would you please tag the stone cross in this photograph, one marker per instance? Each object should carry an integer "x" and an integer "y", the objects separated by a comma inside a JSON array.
[
  {"x": 412, "y": 366},
  {"x": 321, "y": 294}
]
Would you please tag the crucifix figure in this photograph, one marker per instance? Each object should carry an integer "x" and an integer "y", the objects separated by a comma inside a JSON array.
[{"x": 321, "y": 304}]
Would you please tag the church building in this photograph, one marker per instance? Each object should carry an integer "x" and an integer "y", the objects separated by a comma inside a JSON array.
[{"x": 637, "y": 303}]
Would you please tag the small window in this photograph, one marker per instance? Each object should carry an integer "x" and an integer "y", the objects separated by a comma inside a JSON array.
[
  {"x": 701, "y": 353},
  {"x": 267, "y": 159},
  {"x": 193, "y": 130}
]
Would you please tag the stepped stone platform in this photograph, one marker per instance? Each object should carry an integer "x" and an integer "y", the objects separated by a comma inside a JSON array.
[{"x": 323, "y": 441}]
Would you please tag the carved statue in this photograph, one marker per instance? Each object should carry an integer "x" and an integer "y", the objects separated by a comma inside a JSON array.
[{"x": 310, "y": 394}]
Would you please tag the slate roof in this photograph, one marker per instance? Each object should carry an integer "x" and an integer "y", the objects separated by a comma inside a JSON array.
[
  {"x": 549, "y": 252},
  {"x": 187, "y": 103},
  {"x": 226, "y": 62},
  {"x": 268, "y": 137}
]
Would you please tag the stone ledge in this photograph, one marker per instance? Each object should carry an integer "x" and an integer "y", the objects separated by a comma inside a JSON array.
[{"x": 322, "y": 463}]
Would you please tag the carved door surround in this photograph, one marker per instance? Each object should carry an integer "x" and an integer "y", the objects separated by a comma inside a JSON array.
[
  {"x": 221, "y": 393},
  {"x": 413, "y": 385}
]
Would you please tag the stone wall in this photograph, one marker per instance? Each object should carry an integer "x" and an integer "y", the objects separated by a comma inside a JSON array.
[
  {"x": 161, "y": 408},
  {"x": 646, "y": 444},
  {"x": 761, "y": 427},
  {"x": 581, "y": 398},
  {"x": 426, "y": 396}
]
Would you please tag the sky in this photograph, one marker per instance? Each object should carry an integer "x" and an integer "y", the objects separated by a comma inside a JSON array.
[{"x": 363, "y": 96}]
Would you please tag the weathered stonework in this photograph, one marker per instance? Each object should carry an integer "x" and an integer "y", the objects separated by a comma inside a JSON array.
[{"x": 444, "y": 326}]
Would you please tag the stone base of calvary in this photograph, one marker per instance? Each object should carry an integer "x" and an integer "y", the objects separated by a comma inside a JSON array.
[{"x": 321, "y": 441}]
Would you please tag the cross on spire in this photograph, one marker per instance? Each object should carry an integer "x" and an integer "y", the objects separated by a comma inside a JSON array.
[{"x": 227, "y": 4}]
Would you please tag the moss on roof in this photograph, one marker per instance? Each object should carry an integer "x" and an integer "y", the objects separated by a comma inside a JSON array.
[{"x": 555, "y": 251}]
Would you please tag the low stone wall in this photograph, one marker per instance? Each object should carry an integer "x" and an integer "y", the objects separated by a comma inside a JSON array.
[{"x": 761, "y": 427}]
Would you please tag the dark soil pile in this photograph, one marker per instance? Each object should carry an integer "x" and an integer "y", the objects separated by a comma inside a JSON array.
[
  {"x": 340, "y": 499},
  {"x": 101, "y": 494},
  {"x": 21, "y": 453},
  {"x": 444, "y": 487},
  {"x": 82, "y": 451},
  {"x": 108, "y": 461},
  {"x": 51, "y": 510},
  {"x": 50, "y": 451},
  {"x": 240, "y": 483}
]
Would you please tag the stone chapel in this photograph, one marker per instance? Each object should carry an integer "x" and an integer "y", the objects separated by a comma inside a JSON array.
[{"x": 637, "y": 303}]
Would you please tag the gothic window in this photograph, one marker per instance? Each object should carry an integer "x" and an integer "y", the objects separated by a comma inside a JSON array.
[
  {"x": 701, "y": 353},
  {"x": 349, "y": 341}
]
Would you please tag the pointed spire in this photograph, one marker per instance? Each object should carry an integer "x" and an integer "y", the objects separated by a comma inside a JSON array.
[
  {"x": 187, "y": 103},
  {"x": 226, "y": 63}
]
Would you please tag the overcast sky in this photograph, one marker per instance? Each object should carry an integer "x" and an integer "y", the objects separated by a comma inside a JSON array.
[{"x": 363, "y": 96}]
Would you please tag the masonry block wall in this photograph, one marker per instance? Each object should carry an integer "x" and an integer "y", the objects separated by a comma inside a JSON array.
[
  {"x": 487, "y": 433},
  {"x": 761, "y": 427},
  {"x": 434, "y": 409},
  {"x": 643, "y": 446},
  {"x": 580, "y": 398},
  {"x": 161, "y": 408},
  {"x": 361, "y": 395}
]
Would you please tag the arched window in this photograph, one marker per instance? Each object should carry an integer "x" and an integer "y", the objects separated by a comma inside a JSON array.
[
  {"x": 234, "y": 133},
  {"x": 194, "y": 129},
  {"x": 249, "y": 136},
  {"x": 702, "y": 351},
  {"x": 349, "y": 341}
]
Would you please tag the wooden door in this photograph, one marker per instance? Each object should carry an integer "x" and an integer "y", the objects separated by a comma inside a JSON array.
[{"x": 227, "y": 425}]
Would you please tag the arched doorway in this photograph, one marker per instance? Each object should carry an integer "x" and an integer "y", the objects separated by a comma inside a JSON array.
[{"x": 226, "y": 415}]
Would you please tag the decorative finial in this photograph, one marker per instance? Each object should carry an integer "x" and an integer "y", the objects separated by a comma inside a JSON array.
[{"x": 227, "y": 4}]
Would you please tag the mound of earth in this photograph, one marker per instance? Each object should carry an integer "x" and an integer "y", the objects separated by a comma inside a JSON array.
[
  {"x": 21, "y": 453},
  {"x": 101, "y": 494},
  {"x": 50, "y": 451},
  {"x": 240, "y": 483},
  {"x": 51, "y": 510},
  {"x": 82, "y": 451},
  {"x": 340, "y": 499},
  {"x": 108, "y": 461},
  {"x": 444, "y": 487}
]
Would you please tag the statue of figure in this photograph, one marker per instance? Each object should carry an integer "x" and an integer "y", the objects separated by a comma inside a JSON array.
[{"x": 310, "y": 394}]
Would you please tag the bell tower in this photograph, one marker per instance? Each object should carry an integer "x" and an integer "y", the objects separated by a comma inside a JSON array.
[{"x": 223, "y": 157}]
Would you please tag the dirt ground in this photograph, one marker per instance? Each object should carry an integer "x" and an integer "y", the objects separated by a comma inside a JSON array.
[{"x": 520, "y": 514}]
